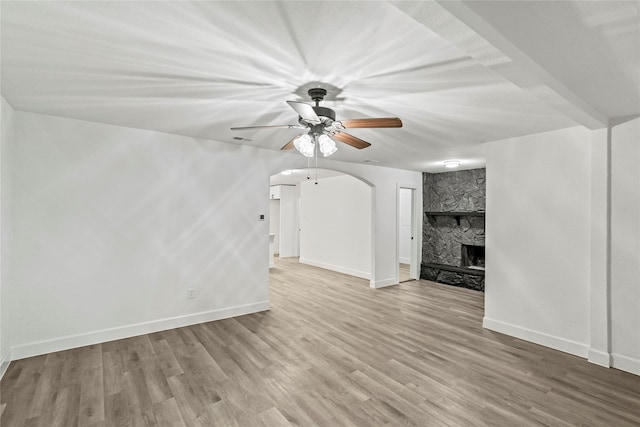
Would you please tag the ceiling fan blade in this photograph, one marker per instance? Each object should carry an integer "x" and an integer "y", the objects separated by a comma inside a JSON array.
[
  {"x": 350, "y": 140},
  {"x": 305, "y": 111},
  {"x": 387, "y": 122},
  {"x": 289, "y": 145},
  {"x": 269, "y": 127}
]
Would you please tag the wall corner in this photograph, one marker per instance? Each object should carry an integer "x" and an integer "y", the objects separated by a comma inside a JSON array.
[{"x": 600, "y": 249}]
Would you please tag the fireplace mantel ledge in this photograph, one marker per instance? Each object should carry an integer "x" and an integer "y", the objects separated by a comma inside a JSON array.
[{"x": 456, "y": 215}]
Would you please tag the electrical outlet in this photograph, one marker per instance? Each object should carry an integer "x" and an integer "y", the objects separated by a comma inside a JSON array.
[{"x": 191, "y": 293}]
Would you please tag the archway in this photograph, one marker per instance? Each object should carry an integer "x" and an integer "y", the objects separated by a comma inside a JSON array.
[{"x": 325, "y": 221}]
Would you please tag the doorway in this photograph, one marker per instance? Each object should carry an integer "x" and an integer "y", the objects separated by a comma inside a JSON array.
[
  {"x": 333, "y": 223},
  {"x": 407, "y": 239}
]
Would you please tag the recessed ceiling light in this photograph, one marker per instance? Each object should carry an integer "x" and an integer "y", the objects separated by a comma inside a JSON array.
[{"x": 451, "y": 163}]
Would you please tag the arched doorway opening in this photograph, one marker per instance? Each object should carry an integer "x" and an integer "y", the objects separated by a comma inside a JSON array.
[{"x": 326, "y": 222}]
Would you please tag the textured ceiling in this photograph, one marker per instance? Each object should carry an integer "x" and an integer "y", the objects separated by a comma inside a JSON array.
[{"x": 199, "y": 68}]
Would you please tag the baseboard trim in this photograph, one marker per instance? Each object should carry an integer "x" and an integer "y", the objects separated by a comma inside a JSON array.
[
  {"x": 404, "y": 260},
  {"x": 337, "y": 268},
  {"x": 377, "y": 284},
  {"x": 111, "y": 334},
  {"x": 5, "y": 359},
  {"x": 551, "y": 341},
  {"x": 625, "y": 363},
  {"x": 601, "y": 358}
]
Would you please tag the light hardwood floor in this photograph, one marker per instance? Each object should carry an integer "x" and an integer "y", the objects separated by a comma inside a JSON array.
[{"x": 331, "y": 352}]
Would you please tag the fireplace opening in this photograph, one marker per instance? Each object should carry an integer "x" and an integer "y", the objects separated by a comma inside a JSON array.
[{"x": 472, "y": 257}]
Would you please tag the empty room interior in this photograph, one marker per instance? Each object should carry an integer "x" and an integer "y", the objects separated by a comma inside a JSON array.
[{"x": 276, "y": 213}]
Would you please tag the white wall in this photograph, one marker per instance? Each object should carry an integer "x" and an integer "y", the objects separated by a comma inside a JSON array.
[
  {"x": 6, "y": 140},
  {"x": 335, "y": 224},
  {"x": 114, "y": 224},
  {"x": 404, "y": 237},
  {"x": 537, "y": 238},
  {"x": 625, "y": 246},
  {"x": 386, "y": 182},
  {"x": 563, "y": 242}
]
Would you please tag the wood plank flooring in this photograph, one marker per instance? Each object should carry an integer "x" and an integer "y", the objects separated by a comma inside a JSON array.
[{"x": 331, "y": 352}]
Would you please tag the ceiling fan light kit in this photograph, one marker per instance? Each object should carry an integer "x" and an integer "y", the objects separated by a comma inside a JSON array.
[
  {"x": 327, "y": 146},
  {"x": 322, "y": 127},
  {"x": 304, "y": 144}
]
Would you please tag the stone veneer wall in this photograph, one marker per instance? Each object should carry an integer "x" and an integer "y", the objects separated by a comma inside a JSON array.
[{"x": 460, "y": 191}]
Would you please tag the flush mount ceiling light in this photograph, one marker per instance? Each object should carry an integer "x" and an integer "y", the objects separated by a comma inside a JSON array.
[
  {"x": 322, "y": 127},
  {"x": 451, "y": 163}
]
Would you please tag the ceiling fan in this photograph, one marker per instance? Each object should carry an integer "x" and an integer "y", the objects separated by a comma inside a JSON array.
[{"x": 322, "y": 127}]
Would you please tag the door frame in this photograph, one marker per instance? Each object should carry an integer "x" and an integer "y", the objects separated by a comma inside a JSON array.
[{"x": 416, "y": 216}]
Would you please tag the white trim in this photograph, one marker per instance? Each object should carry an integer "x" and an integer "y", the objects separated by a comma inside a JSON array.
[
  {"x": 4, "y": 363},
  {"x": 376, "y": 284},
  {"x": 557, "y": 343},
  {"x": 104, "y": 335},
  {"x": 338, "y": 268},
  {"x": 374, "y": 221},
  {"x": 625, "y": 363},
  {"x": 598, "y": 357},
  {"x": 404, "y": 260}
]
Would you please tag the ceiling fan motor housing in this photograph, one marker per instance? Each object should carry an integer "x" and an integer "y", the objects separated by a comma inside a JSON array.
[{"x": 317, "y": 94}]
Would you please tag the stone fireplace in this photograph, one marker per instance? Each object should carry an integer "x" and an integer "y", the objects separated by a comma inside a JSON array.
[{"x": 453, "y": 232}]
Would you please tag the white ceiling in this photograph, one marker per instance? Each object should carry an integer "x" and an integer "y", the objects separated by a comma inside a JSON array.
[{"x": 457, "y": 73}]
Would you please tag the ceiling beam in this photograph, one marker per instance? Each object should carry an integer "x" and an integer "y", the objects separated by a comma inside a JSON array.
[{"x": 465, "y": 29}]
